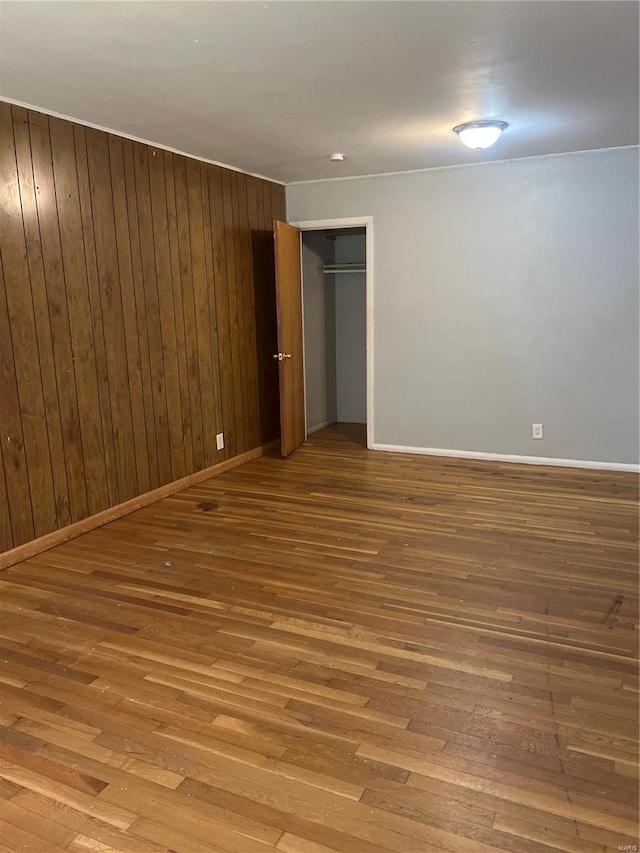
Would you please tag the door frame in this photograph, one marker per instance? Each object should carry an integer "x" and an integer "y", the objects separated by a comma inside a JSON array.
[{"x": 351, "y": 222}]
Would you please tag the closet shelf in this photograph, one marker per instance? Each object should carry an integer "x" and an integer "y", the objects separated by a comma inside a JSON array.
[{"x": 332, "y": 269}]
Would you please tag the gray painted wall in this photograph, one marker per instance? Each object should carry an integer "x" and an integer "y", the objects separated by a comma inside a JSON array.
[
  {"x": 505, "y": 295},
  {"x": 351, "y": 332},
  {"x": 318, "y": 301}
]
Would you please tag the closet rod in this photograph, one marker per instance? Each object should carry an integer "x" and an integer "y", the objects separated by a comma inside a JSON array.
[{"x": 328, "y": 269}]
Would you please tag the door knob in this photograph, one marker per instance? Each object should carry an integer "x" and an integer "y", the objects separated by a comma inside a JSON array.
[{"x": 281, "y": 355}]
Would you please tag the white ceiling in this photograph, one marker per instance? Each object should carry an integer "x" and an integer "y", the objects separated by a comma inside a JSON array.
[{"x": 274, "y": 87}]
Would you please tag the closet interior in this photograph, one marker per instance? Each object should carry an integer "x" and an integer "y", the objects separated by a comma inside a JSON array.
[{"x": 335, "y": 327}]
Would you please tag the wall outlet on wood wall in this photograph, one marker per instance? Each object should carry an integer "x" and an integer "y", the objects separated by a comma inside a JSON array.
[{"x": 220, "y": 441}]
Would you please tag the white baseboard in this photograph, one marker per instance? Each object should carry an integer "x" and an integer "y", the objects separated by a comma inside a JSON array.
[
  {"x": 506, "y": 457},
  {"x": 318, "y": 427}
]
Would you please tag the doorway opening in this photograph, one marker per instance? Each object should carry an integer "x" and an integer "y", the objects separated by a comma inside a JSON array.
[
  {"x": 296, "y": 379},
  {"x": 336, "y": 319}
]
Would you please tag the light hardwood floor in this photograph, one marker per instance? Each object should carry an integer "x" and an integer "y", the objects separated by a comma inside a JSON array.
[{"x": 342, "y": 651}]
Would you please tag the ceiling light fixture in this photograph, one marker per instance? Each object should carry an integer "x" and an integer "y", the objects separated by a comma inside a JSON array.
[
  {"x": 480, "y": 134},
  {"x": 336, "y": 158}
]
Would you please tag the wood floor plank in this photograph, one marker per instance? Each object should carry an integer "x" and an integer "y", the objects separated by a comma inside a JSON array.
[
  {"x": 340, "y": 652},
  {"x": 88, "y": 829}
]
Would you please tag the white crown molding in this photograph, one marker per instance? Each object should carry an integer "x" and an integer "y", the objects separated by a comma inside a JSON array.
[
  {"x": 130, "y": 136},
  {"x": 506, "y": 457},
  {"x": 154, "y": 144},
  {"x": 462, "y": 165}
]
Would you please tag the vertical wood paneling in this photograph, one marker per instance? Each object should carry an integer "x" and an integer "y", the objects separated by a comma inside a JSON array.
[
  {"x": 278, "y": 210},
  {"x": 201, "y": 287},
  {"x": 111, "y": 304},
  {"x": 18, "y": 495},
  {"x": 166, "y": 311},
  {"x": 148, "y": 415},
  {"x": 225, "y": 366},
  {"x": 178, "y": 310},
  {"x": 49, "y": 231},
  {"x": 240, "y": 303},
  {"x": 6, "y": 533},
  {"x": 249, "y": 338},
  {"x": 238, "y": 436},
  {"x": 212, "y": 320},
  {"x": 151, "y": 309},
  {"x": 210, "y": 391},
  {"x": 75, "y": 275},
  {"x": 129, "y": 313},
  {"x": 189, "y": 311},
  {"x": 41, "y": 313},
  {"x": 19, "y": 303},
  {"x": 254, "y": 234},
  {"x": 137, "y": 319},
  {"x": 97, "y": 328}
]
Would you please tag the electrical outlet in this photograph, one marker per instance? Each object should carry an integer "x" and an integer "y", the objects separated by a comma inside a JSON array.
[
  {"x": 537, "y": 431},
  {"x": 220, "y": 441}
]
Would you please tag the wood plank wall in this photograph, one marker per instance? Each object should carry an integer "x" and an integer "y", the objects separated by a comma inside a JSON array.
[{"x": 137, "y": 319}]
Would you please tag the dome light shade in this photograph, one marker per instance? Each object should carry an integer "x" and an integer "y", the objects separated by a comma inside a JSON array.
[{"x": 480, "y": 134}]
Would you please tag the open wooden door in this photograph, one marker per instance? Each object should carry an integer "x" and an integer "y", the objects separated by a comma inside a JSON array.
[{"x": 290, "y": 351}]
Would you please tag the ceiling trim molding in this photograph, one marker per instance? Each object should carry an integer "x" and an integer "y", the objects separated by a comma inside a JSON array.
[
  {"x": 133, "y": 138},
  {"x": 506, "y": 161},
  {"x": 163, "y": 147}
]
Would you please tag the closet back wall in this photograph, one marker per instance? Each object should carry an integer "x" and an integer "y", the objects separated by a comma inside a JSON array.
[{"x": 137, "y": 319}]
